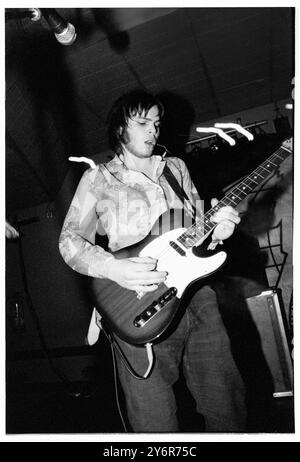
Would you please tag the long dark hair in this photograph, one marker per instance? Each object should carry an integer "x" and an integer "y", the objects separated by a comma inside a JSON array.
[{"x": 128, "y": 105}]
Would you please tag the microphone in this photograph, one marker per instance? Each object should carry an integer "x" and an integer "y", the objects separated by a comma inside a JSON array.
[{"x": 64, "y": 31}]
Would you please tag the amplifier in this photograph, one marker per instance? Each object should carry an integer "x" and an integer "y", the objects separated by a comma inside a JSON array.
[{"x": 269, "y": 318}]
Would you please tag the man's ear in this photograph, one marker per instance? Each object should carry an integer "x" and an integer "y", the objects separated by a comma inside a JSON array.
[{"x": 122, "y": 134}]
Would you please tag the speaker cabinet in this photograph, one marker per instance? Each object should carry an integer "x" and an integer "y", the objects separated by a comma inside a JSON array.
[{"x": 265, "y": 310}]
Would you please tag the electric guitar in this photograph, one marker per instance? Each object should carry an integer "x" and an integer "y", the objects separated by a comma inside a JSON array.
[{"x": 139, "y": 318}]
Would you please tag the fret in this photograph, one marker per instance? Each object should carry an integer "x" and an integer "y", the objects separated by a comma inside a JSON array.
[
  {"x": 265, "y": 168},
  {"x": 232, "y": 199},
  {"x": 244, "y": 189},
  {"x": 253, "y": 181},
  {"x": 268, "y": 165},
  {"x": 270, "y": 162},
  {"x": 239, "y": 190},
  {"x": 208, "y": 227},
  {"x": 286, "y": 149},
  {"x": 263, "y": 175},
  {"x": 260, "y": 175},
  {"x": 187, "y": 242},
  {"x": 193, "y": 234},
  {"x": 281, "y": 158},
  {"x": 204, "y": 225}
]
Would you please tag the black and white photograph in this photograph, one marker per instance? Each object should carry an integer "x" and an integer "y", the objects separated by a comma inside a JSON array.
[{"x": 149, "y": 223}]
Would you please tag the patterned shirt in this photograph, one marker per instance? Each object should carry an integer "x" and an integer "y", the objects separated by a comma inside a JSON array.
[{"x": 122, "y": 204}]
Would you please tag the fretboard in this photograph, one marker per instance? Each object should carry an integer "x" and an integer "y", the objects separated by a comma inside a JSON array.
[{"x": 204, "y": 225}]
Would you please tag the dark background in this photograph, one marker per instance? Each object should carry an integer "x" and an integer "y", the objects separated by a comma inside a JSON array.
[
  {"x": 206, "y": 64},
  {"x": 216, "y": 61}
]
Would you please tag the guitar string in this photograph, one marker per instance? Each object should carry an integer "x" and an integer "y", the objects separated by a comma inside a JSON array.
[
  {"x": 196, "y": 225},
  {"x": 221, "y": 202},
  {"x": 214, "y": 209},
  {"x": 201, "y": 222},
  {"x": 234, "y": 193}
]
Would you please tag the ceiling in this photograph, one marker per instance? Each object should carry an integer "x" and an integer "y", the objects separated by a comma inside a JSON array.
[{"x": 204, "y": 62}]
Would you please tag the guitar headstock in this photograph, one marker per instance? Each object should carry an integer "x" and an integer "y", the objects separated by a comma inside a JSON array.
[{"x": 288, "y": 144}]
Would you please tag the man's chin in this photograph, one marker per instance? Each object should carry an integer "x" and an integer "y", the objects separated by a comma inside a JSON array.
[
  {"x": 148, "y": 152},
  {"x": 143, "y": 153}
]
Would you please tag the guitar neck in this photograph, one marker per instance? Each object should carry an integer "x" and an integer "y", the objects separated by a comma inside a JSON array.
[{"x": 204, "y": 225}]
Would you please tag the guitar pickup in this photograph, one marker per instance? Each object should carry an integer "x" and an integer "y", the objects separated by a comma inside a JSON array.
[
  {"x": 177, "y": 248},
  {"x": 154, "y": 308}
]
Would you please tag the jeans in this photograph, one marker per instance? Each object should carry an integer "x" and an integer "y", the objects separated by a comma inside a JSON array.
[{"x": 201, "y": 343}]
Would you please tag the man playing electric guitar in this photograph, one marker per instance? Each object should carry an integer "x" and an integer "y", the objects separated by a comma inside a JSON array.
[{"x": 124, "y": 198}]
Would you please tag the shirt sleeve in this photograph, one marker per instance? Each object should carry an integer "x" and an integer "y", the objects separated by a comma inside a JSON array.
[{"x": 77, "y": 238}]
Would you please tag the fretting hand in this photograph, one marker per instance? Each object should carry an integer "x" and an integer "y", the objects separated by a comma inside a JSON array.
[{"x": 226, "y": 218}]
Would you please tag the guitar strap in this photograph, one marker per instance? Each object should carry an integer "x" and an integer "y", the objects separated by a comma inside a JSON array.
[{"x": 177, "y": 188}]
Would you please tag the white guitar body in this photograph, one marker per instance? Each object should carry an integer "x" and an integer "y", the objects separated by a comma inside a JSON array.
[{"x": 182, "y": 270}]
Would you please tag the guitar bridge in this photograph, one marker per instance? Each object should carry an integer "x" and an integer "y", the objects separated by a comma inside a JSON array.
[{"x": 155, "y": 307}]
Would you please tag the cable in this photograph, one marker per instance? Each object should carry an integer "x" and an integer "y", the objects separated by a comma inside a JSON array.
[
  {"x": 116, "y": 348},
  {"x": 291, "y": 323},
  {"x": 272, "y": 254},
  {"x": 111, "y": 343},
  {"x": 116, "y": 386}
]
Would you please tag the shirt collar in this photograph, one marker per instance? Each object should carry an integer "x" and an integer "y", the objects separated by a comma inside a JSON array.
[{"x": 116, "y": 165}]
